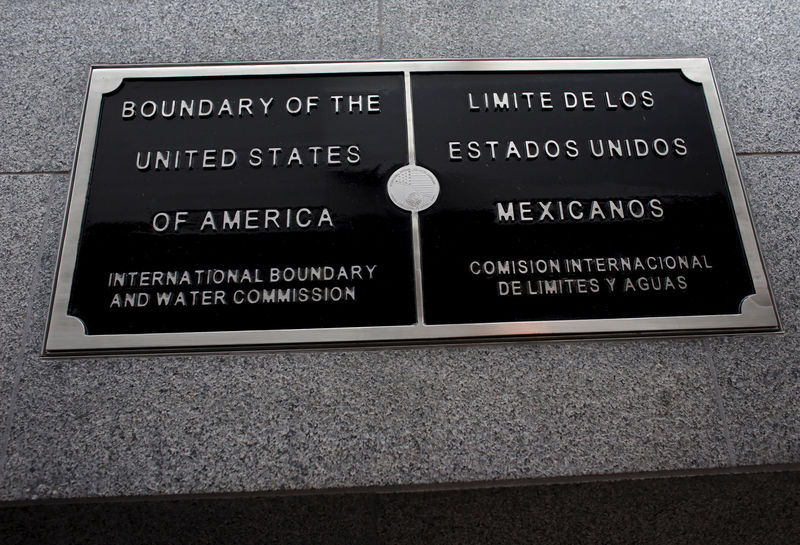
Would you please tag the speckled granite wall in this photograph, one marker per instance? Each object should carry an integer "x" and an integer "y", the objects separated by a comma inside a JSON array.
[{"x": 162, "y": 425}]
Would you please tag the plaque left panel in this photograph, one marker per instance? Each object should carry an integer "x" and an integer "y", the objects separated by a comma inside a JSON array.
[{"x": 245, "y": 203}]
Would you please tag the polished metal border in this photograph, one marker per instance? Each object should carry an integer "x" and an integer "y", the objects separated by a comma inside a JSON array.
[{"x": 66, "y": 334}]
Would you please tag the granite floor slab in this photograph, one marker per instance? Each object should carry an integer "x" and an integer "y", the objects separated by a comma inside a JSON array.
[
  {"x": 42, "y": 285},
  {"x": 47, "y": 47},
  {"x": 760, "y": 376},
  {"x": 23, "y": 206},
  {"x": 169, "y": 425}
]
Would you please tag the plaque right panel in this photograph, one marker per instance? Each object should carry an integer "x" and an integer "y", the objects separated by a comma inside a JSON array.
[{"x": 573, "y": 195}]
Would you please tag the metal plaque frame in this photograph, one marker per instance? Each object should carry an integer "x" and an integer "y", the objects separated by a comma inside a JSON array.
[{"x": 66, "y": 334}]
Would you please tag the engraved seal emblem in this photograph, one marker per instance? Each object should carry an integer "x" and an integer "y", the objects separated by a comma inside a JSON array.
[{"x": 413, "y": 188}]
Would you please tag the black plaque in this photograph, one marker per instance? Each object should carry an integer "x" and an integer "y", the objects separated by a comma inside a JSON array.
[
  {"x": 294, "y": 196},
  {"x": 583, "y": 208},
  {"x": 273, "y": 205}
]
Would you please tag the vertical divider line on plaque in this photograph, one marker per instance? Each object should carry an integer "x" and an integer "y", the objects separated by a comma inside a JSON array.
[
  {"x": 413, "y": 188},
  {"x": 415, "y": 231},
  {"x": 415, "y": 227}
]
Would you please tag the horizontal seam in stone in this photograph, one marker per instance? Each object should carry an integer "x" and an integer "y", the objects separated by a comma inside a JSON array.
[
  {"x": 768, "y": 153},
  {"x": 33, "y": 173}
]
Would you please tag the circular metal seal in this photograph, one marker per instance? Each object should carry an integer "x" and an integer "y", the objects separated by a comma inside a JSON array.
[{"x": 413, "y": 188}]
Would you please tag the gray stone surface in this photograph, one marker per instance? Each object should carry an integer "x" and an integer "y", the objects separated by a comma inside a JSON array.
[
  {"x": 44, "y": 270},
  {"x": 47, "y": 47},
  {"x": 760, "y": 376},
  {"x": 752, "y": 45},
  {"x": 23, "y": 204},
  {"x": 127, "y": 426}
]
